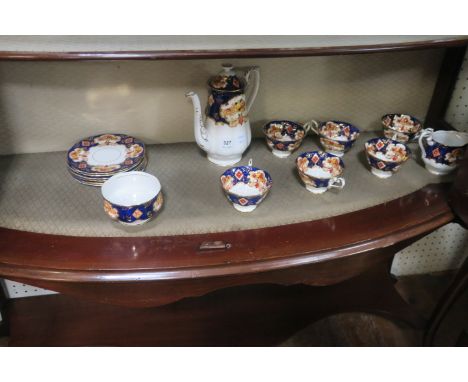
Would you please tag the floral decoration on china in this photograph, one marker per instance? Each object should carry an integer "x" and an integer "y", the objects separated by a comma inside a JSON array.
[
  {"x": 402, "y": 123},
  {"x": 387, "y": 149},
  {"x": 328, "y": 162},
  {"x": 252, "y": 177}
]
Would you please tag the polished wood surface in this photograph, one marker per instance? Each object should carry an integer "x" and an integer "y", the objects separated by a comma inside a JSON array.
[
  {"x": 230, "y": 53},
  {"x": 161, "y": 292},
  {"x": 158, "y": 270},
  {"x": 255, "y": 315},
  {"x": 64, "y": 258}
]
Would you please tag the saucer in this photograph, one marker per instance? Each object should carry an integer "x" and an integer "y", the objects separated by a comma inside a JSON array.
[
  {"x": 99, "y": 181},
  {"x": 105, "y": 154}
]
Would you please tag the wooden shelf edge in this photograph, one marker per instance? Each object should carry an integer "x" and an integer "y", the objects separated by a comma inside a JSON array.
[
  {"x": 422, "y": 222},
  {"x": 228, "y": 53},
  {"x": 61, "y": 275}
]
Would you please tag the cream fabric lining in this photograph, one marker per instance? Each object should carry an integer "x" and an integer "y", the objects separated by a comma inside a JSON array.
[
  {"x": 37, "y": 194},
  {"x": 48, "y": 106}
]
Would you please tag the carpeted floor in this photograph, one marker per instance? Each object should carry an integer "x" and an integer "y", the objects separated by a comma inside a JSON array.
[{"x": 359, "y": 329}]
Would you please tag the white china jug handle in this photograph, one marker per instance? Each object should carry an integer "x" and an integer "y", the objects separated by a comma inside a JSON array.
[
  {"x": 337, "y": 183},
  {"x": 425, "y": 133},
  {"x": 311, "y": 125},
  {"x": 464, "y": 136},
  {"x": 417, "y": 135},
  {"x": 256, "y": 85}
]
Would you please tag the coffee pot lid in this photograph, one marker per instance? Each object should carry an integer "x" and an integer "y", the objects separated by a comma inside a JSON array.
[{"x": 226, "y": 80}]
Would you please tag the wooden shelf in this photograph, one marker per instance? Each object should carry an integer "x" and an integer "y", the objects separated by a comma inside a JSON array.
[
  {"x": 46, "y": 48},
  {"x": 39, "y": 195},
  {"x": 74, "y": 241},
  {"x": 289, "y": 232},
  {"x": 149, "y": 271}
]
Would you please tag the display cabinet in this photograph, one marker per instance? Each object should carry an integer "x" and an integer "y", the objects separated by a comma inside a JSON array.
[{"x": 202, "y": 273}]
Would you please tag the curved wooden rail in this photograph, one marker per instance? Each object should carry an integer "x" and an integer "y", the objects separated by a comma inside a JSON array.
[
  {"x": 229, "y": 53},
  {"x": 156, "y": 270}
]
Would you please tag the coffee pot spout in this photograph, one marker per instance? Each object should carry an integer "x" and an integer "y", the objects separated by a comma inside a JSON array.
[{"x": 201, "y": 136}]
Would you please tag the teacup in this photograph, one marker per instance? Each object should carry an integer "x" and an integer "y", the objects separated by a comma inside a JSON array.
[
  {"x": 401, "y": 127},
  {"x": 336, "y": 137},
  {"x": 246, "y": 186},
  {"x": 283, "y": 137},
  {"x": 320, "y": 171},
  {"x": 132, "y": 198},
  {"x": 442, "y": 150},
  {"x": 385, "y": 156}
]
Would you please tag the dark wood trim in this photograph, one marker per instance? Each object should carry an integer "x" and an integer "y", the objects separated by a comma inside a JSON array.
[
  {"x": 458, "y": 196},
  {"x": 235, "y": 53},
  {"x": 4, "y": 327},
  {"x": 442, "y": 125},
  {"x": 126, "y": 259},
  {"x": 153, "y": 271},
  {"x": 161, "y": 292},
  {"x": 252, "y": 315},
  {"x": 443, "y": 90},
  {"x": 453, "y": 294}
]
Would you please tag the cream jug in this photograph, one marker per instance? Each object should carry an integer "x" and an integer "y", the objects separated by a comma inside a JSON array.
[
  {"x": 225, "y": 133},
  {"x": 442, "y": 150}
]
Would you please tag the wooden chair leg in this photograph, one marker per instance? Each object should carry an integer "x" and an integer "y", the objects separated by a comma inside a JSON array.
[
  {"x": 463, "y": 339},
  {"x": 445, "y": 304},
  {"x": 4, "y": 323}
]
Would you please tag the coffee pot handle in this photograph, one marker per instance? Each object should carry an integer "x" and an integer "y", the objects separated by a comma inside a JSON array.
[
  {"x": 425, "y": 133},
  {"x": 311, "y": 125},
  {"x": 256, "y": 85}
]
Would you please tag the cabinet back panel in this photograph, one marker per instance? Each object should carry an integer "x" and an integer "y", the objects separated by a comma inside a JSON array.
[{"x": 47, "y": 106}]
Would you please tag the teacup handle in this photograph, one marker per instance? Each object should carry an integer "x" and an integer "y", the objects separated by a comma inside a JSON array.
[
  {"x": 337, "y": 183},
  {"x": 311, "y": 125},
  {"x": 424, "y": 133}
]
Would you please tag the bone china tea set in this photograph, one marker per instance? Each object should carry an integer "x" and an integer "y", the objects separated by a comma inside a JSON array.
[{"x": 133, "y": 197}]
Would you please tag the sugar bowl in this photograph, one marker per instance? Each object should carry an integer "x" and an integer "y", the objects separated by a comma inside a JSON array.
[
  {"x": 283, "y": 137},
  {"x": 132, "y": 198},
  {"x": 385, "y": 156},
  {"x": 401, "y": 127},
  {"x": 246, "y": 186},
  {"x": 320, "y": 171}
]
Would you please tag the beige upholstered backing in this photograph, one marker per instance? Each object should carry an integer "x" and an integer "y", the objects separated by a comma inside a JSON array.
[
  {"x": 457, "y": 110},
  {"x": 47, "y": 106},
  {"x": 37, "y": 193}
]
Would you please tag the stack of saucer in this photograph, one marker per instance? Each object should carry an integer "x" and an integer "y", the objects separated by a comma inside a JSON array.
[{"x": 93, "y": 160}]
